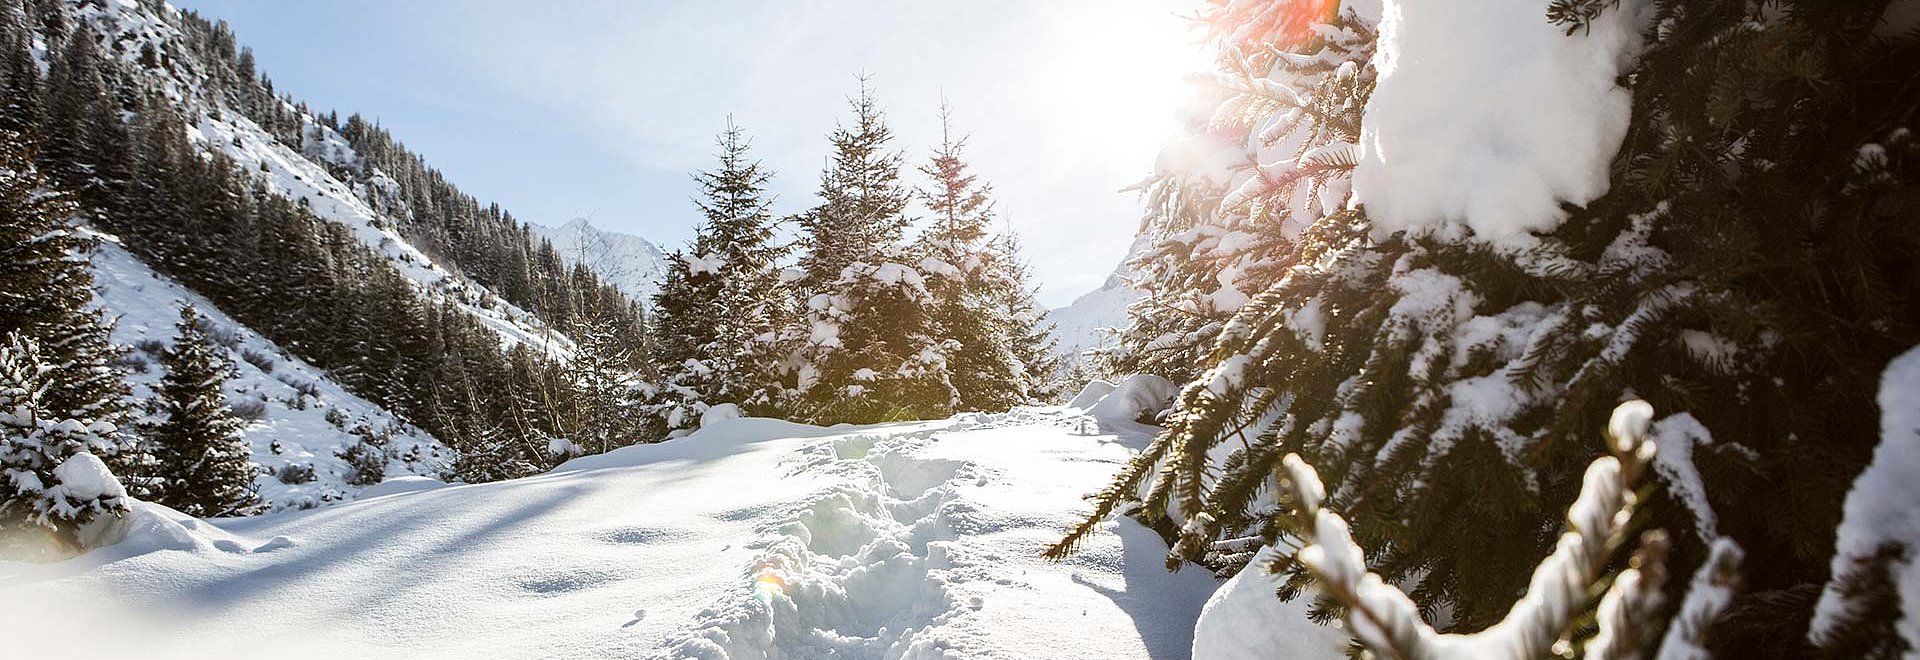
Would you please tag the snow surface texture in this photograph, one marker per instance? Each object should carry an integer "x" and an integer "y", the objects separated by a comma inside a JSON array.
[
  {"x": 1491, "y": 138},
  {"x": 752, "y": 538},
  {"x": 1880, "y": 509},
  {"x": 633, "y": 264},
  {"x": 1245, "y": 620},
  {"x": 298, "y": 418}
]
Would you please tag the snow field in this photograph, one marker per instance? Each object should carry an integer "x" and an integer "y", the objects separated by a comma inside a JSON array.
[{"x": 751, "y": 538}]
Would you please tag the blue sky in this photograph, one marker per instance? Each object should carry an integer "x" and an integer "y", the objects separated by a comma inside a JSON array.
[{"x": 602, "y": 108}]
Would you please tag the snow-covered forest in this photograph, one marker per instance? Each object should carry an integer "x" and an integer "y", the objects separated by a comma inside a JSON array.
[{"x": 1468, "y": 329}]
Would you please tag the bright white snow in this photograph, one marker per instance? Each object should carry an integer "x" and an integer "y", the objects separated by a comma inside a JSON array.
[
  {"x": 1880, "y": 509},
  {"x": 752, "y": 538},
  {"x": 1491, "y": 138},
  {"x": 630, "y": 263}
]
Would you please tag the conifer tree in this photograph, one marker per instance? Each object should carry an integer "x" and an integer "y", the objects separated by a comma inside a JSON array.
[
  {"x": 866, "y": 348},
  {"x": 1029, "y": 333},
  {"x": 206, "y": 461},
  {"x": 19, "y": 75},
  {"x": 981, "y": 304},
  {"x": 722, "y": 298},
  {"x": 84, "y": 137},
  {"x": 51, "y": 473},
  {"x": 1749, "y": 268},
  {"x": 46, "y": 295},
  {"x": 602, "y": 394}
]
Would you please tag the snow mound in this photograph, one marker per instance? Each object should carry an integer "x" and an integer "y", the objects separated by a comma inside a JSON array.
[
  {"x": 149, "y": 527},
  {"x": 1138, "y": 397},
  {"x": 1880, "y": 512},
  {"x": 1244, "y": 620},
  {"x": 1491, "y": 138},
  {"x": 719, "y": 413},
  {"x": 1091, "y": 394},
  {"x": 412, "y": 483}
]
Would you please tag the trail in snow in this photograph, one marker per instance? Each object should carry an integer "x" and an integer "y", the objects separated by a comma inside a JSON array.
[{"x": 751, "y": 539}]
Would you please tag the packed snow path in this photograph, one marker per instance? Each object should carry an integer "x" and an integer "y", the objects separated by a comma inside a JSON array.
[{"x": 751, "y": 539}]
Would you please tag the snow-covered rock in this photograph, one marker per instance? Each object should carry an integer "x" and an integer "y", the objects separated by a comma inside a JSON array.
[
  {"x": 1091, "y": 394},
  {"x": 719, "y": 413},
  {"x": 1138, "y": 397}
]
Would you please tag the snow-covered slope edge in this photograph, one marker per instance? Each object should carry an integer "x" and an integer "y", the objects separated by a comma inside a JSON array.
[
  {"x": 1081, "y": 325},
  {"x": 299, "y": 419},
  {"x": 633, "y": 264},
  {"x": 753, "y": 538}
]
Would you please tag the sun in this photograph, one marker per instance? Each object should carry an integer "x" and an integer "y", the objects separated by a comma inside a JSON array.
[{"x": 1120, "y": 76}]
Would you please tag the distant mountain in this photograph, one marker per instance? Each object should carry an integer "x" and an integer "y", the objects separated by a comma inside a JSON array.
[
  {"x": 632, "y": 263},
  {"x": 1078, "y": 326}
]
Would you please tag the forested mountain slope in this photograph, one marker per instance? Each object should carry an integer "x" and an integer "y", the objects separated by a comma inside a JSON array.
[{"x": 340, "y": 247}]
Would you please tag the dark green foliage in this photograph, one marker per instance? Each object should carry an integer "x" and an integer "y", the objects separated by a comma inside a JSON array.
[
  {"x": 207, "y": 462},
  {"x": 712, "y": 324},
  {"x": 1001, "y": 353},
  {"x": 865, "y": 348},
  {"x": 307, "y": 284},
  {"x": 1754, "y": 266}
]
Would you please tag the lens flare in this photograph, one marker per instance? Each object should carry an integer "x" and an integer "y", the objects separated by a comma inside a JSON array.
[{"x": 768, "y": 582}]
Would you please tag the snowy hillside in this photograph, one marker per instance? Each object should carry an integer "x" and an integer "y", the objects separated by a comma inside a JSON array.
[
  {"x": 301, "y": 172},
  {"x": 629, "y": 262},
  {"x": 753, "y": 538},
  {"x": 300, "y": 420},
  {"x": 1078, "y": 326}
]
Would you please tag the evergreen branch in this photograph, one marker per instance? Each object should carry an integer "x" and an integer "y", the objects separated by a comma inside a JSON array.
[{"x": 1385, "y": 620}]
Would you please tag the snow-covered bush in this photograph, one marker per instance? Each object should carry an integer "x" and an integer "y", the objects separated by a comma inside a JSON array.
[{"x": 51, "y": 475}]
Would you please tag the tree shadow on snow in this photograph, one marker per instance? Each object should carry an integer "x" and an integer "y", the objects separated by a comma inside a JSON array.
[{"x": 1163, "y": 605}]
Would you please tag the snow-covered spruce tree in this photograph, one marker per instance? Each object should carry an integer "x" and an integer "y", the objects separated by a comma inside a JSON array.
[
  {"x": 1547, "y": 621},
  {"x": 602, "y": 397},
  {"x": 1226, "y": 203},
  {"x": 51, "y": 475},
  {"x": 46, "y": 295},
  {"x": 206, "y": 462},
  {"x": 1029, "y": 333},
  {"x": 975, "y": 294},
  {"x": 84, "y": 140},
  {"x": 19, "y": 74},
  {"x": 865, "y": 348},
  {"x": 1706, "y": 205},
  {"x": 722, "y": 298}
]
